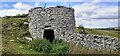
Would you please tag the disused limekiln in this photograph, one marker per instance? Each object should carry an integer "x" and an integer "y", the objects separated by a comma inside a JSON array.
[
  {"x": 52, "y": 22},
  {"x": 59, "y": 22}
]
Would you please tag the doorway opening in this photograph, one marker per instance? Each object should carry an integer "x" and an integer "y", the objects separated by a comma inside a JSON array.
[{"x": 49, "y": 35}]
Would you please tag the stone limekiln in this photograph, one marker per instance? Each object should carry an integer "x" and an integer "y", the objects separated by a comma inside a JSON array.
[
  {"x": 52, "y": 22},
  {"x": 59, "y": 22}
]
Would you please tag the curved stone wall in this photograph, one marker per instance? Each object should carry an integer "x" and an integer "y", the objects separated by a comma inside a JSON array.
[{"x": 59, "y": 19}]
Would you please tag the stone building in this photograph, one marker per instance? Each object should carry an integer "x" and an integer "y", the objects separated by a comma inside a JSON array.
[
  {"x": 59, "y": 22},
  {"x": 52, "y": 22}
]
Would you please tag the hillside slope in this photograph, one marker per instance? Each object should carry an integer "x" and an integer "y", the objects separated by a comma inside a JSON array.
[{"x": 14, "y": 30}]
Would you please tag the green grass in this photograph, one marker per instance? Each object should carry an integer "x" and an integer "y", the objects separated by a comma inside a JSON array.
[
  {"x": 24, "y": 50},
  {"x": 13, "y": 47},
  {"x": 113, "y": 34},
  {"x": 15, "y": 31},
  {"x": 78, "y": 49}
]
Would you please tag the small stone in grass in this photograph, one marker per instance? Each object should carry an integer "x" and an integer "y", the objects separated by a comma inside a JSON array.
[
  {"x": 21, "y": 46},
  {"x": 11, "y": 40}
]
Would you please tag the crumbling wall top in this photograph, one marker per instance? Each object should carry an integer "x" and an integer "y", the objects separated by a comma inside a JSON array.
[{"x": 50, "y": 7}]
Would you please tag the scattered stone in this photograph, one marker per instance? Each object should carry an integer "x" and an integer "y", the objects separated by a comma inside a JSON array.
[
  {"x": 14, "y": 24},
  {"x": 8, "y": 29},
  {"x": 12, "y": 40},
  {"x": 28, "y": 38},
  {"x": 12, "y": 34},
  {"x": 18, "y": 38},
  {"x": 21, "y": 47},
  {"x": 1, "y": 27},
  {"x": 25, "y": 23},
  {"x": 30, "y": 49}
]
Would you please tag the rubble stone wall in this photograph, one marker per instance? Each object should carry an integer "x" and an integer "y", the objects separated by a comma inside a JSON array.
[
  {"x": 93, "y": 41},
  {"x": 59, "y": 19}
]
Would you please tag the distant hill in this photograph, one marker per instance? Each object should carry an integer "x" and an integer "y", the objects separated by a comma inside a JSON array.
[
  {"x": 16, "y": 16},
  {"x": 101, "y": 31},
  {"x": 109, "y": 28},
  {"x": 116, "y": 27}
]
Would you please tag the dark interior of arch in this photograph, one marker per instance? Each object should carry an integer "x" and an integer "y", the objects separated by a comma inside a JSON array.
[{"x": 49, "y": 35}]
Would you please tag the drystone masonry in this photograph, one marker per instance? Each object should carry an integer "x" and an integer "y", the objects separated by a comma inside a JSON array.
[
  {"x": 59, "y": 22},
  {"x": 93, "y": 41},
  {"x": 58, "y": 19}
]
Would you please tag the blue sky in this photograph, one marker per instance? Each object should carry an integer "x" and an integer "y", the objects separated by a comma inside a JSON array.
[
  {"x": 89, "y": 14},
  {"x": 67, "y": 4}
]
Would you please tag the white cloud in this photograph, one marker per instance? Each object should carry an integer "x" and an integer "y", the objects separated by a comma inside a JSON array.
[
  {"x": 84, "y": 8},
  {"x": 93, "y": 15},
  {"x": 95, "y": 11},
  {"x": 37, "y": 4},
  {"x": 95, "y": 23},
  {"x": 12, "y": 12},
  {"x": 20, "y": 5},
  {"x": 105, "y": 13},
  {"x": 19, "y": 8},
  {"x": 86, "y": 14}
]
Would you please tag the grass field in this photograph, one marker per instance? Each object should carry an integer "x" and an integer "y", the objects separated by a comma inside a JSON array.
[
  {"x": 13, "y": 28},
  {"x": 114, "y": 34}
]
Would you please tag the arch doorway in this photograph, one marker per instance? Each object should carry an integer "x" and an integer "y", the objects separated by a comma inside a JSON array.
[{"x": 49, "y": 35}]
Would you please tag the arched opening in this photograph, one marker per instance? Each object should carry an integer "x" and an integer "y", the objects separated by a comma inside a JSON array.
[{"x": 49, "y": 35}]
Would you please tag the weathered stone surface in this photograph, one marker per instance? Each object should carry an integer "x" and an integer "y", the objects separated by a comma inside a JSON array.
[
  {"x": 94, "y": 41},
  {"x": 61, "y": 20},
  {"x": 25, "y": 23},
  {"x": 28, "y": 38}
]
